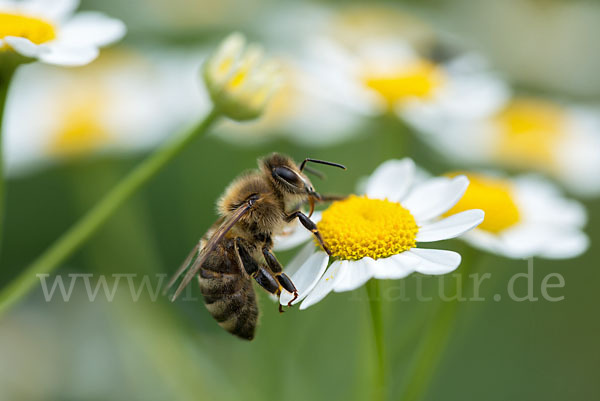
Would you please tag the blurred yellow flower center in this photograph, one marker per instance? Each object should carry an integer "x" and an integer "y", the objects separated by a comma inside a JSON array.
[
  {"x": 416, "y": 80},
  {"x": 358, "y": 227},
  {"x": 529, "y": 132},
  {"x": 36, "y": 30},
  {"x": 238, "y": 78},
  {"x": 492, "y": 195},
  {"x": 81, "y": 130}
]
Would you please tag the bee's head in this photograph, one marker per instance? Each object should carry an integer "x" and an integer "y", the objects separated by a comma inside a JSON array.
[{"x": 287, "y": 177}]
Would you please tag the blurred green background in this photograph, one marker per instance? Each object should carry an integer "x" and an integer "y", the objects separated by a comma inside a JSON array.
[{"x": 125, "y": 350}]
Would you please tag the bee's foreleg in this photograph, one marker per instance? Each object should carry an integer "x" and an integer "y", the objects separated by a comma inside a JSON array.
[{"x": 309, "y": 225}]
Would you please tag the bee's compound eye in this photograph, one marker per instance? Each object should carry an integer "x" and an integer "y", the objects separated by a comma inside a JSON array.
[{"x": 287, "y": 175}]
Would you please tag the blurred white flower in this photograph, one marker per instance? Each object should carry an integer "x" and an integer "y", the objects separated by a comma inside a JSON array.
[
  {"x": 391, "y": 76},
  {"x": 376, "y": 235},
  {"x": 239, "y": 80},
  {"x": 524, "y": 217},
  {"x": 528, "y": 133},
  {"x": 126, "y": 101},
  {"x": 380, "y": 59},
  {"x": 347, "y": 64},
  {"x": 48, "y": 31}
]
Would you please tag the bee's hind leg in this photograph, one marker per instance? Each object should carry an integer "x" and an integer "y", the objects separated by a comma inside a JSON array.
[
  {"x": 281, "y": 277},
  {"x": 262, "y": 276}
]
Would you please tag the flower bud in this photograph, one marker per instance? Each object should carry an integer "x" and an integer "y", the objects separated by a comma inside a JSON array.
[{"x": 240, "y": 81}]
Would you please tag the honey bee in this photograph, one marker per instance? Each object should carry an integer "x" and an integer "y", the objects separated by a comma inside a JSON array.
[{"x": 237, "y": 248}]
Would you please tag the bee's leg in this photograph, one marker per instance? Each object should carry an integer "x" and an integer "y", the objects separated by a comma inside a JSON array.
[
  {"x": 309, "y": 225},
  {"x": 281, "y": 277},
  {"x": 263, "y": 277}
]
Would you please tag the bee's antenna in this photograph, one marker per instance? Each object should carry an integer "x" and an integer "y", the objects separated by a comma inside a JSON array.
[
  {"x": 315, "y": 172},
  {"x": 308, "y": 159}
]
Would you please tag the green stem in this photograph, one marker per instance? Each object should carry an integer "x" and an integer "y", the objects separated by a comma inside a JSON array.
[
  {"x": 6, "y": 75},
  {"x": 375, "y": 307},
  {"x": 83, "y": 229},
  {"x": 431, "y": 348},
  {"x": 429, "y": 353}
]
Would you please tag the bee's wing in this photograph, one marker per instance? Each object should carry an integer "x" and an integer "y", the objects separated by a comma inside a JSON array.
[
  {"x": 210, "y": 246},
  {"x": 183, "y": 266}
]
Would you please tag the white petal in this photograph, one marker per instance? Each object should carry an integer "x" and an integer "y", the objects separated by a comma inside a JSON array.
[
  {"x": 435, "y": 261},
  {"x": 519, "y": 242},
  {"x": 450, "y": 227},
  {"x": 541, "y": 202},
  {"x": 486, "y": 241},
  {"x": 578, "y": 162},
  {"x": 91, "y": 29},
  {"x": 306, "y": 277},
  {"x": 536, "y": 184},
  {"x": 357, "y": 273},
  {"x": 555, "y": 242},
  {"x": 435, "y": 196},
  {"x": 524, "y": 240},
  {"x": 565, "y": 245},
  {"x": 25, "y": 47},
  {"x": 294, "y": 234},
  {"x": 391, "y": 180},
  {"x": 298, "y": 260},
  {"x": 470, "y": 96},
  {"x": 68, "y": 56},
  {"x": 394, "y": 267},
  {"x": 55, "y": 10},
  {"x": 291, "y": 239},
  {"x": 325, "y": 284}
]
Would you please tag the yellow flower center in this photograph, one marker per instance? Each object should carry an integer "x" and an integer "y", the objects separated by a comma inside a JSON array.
[
  {"x": 415, "y": 80},
  {"x": 81, "y": 129},
  {"x": 358, "y": 227},
  {"x": 529, "y": 132},
  {"x": 492, "y": 195},
  {"x": 35, "y": 29}
]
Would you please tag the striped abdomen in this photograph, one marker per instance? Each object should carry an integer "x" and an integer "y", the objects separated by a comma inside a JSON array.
[{"x": 228, "y": 293}]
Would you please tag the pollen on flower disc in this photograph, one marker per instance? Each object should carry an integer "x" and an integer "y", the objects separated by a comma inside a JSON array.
[{"x": 358, "y": 227}]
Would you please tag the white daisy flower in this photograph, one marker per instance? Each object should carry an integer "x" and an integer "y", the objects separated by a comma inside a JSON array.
[
  {"x": 527, "y": 133},
  {"x": 524, "y": 217},
  {"x": 126, "y": 101},
  {"x": 391, "y": 76},
  {"x": 376, "y": 235},
  {"x": 382, "y": 54},
  {"x": 48, "y": 31}
]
